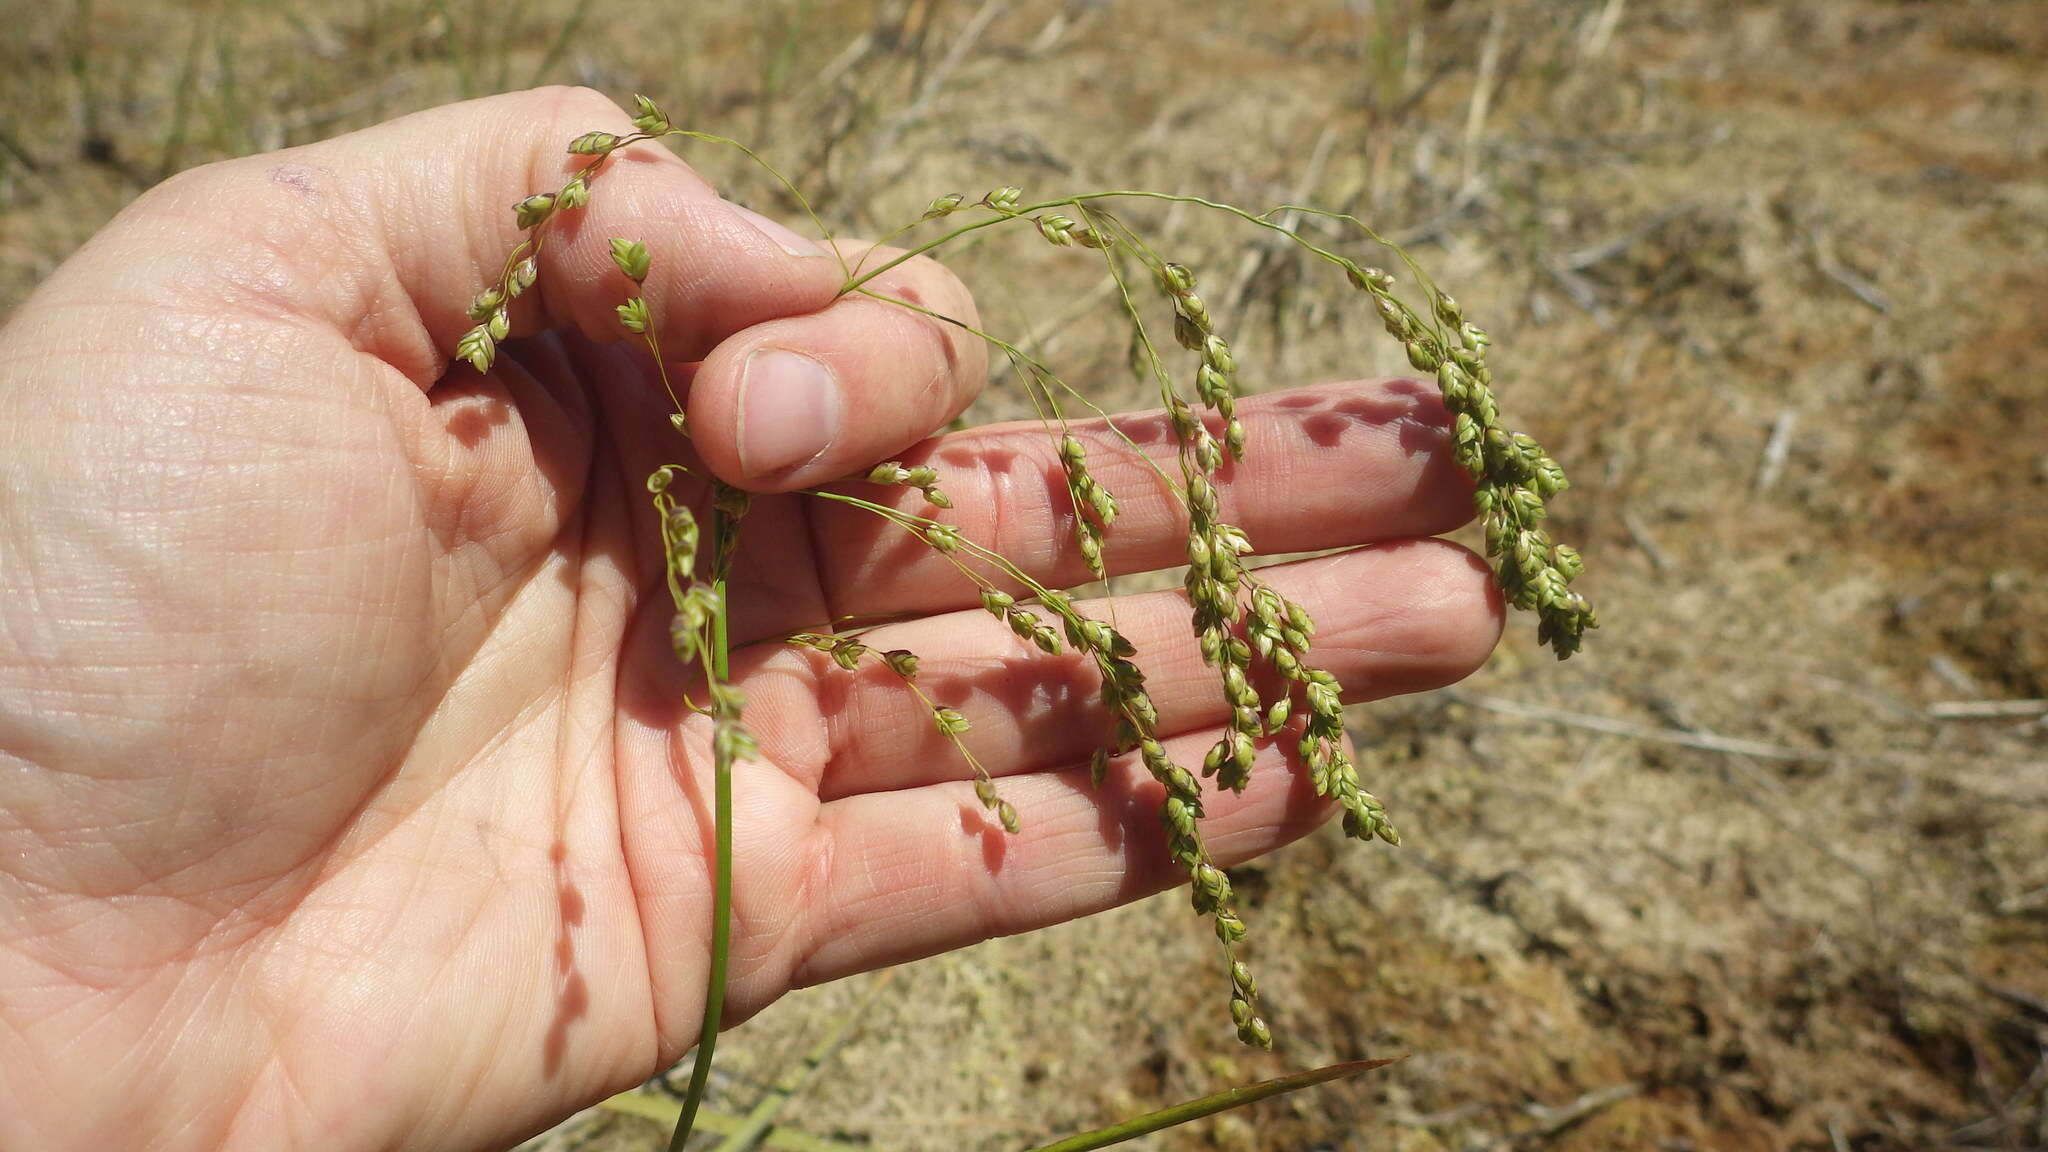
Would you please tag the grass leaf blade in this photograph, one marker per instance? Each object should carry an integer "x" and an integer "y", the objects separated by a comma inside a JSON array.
[
  {"x": 664, "y": 1111},
  {"x": 1222, "y": 1101}
]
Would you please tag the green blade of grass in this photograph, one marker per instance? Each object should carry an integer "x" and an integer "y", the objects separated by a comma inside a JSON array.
[
  {"x": 1208, "y": 1106},
  {"x": 565, "y": 34},
  {"x": 664, "y": 1111}
]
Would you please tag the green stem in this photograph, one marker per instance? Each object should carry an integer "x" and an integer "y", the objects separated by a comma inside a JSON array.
[
  {"x": 1263, "y": 220},
  {"x": 1207, "y": 1106},
  {"x": 1260, "y": 219},
  {"x": 721, "y": 890}
]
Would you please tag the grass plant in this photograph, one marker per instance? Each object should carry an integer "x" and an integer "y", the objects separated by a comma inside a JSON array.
[{"x": 1247, "y": 631}]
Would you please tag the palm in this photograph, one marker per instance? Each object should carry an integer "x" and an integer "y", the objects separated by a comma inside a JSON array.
[{"x": 351, "y": 776}]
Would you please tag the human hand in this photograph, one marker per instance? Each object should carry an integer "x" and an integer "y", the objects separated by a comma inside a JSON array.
[{"x": 347, "y": 798}]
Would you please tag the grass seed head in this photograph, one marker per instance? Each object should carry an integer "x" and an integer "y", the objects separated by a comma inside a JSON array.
[{"x": 1246, "y": 631}]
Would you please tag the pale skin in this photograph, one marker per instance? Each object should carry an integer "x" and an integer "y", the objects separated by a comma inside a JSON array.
[{"x": 347, "y": 795}]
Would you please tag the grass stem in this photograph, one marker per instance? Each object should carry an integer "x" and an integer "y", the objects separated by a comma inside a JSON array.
[{"x": 721, "y": 891}]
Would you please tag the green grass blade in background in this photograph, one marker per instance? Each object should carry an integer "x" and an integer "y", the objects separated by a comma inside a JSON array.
[
  {"x": 665, "y": 1111},
  {"x": 559, "y": 46},
  {"x": 1222, "y": 1101}
]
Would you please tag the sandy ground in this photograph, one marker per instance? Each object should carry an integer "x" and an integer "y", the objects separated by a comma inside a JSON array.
[{"x": 1771, "y": 281}]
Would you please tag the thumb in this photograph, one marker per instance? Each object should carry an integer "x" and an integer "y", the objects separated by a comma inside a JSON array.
[{"x": 800, "y": 400}]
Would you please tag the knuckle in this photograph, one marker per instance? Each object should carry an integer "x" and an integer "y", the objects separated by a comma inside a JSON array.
[{"x": 203, "y": 183}]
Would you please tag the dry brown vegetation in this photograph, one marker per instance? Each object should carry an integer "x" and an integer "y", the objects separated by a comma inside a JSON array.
[{"x": 1770, "y": 280}]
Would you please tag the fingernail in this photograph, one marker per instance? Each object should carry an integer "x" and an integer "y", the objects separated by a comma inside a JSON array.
[
  {"x": 789, "y": 411},
  {"x": 785, "y": 239}
]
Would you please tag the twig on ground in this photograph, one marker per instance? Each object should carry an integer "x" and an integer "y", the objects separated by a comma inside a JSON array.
[
  {"x": 1580, "y": 259},
  {"x": 1482, "y": 92},
  {"x": 1641, "y": 536},
  {"x": 1986, "y": 709},
  {"x": 1551, "y": 1121},
  {"x": 2023, "y": 902},
  {"x": 850, "y": 57},
  {"x": 1865, "y": 695},
  {"x": 1825, "y": 262},
  {"x": 2017, "y": 997},
  {"x": 1056, "y": 29},
  {"x": 1600, "y": 30},
  {"x": 892, "y": 130},
  {"x": 1737, "y": 750},
  {"x": 955, "y": 53},
  {"x": 1776, "y": 448},
  {"x": 1951, "y": 673},
  {"x": 1271, "y": 245},
  {"x": 1704, "y": 741},
  {"x": 1577, "y": 289},
  {"x": 1462, "y": 200}
]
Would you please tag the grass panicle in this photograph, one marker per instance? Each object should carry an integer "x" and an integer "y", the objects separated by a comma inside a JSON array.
[{"x": 1245, "y": 630}]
